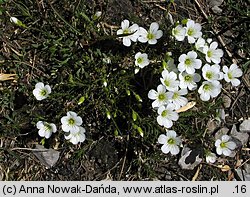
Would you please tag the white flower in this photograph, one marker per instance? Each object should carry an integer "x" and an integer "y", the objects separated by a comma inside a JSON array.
[
  {"x": 97, "y": 15},
  {"x": 41, "y": 92},
  {"x": 210, "y": 157},
  {"x": 200, "y": 44},
  {"x": 167, "y": 115},
  {"x": 169, "y": 79},
  {"x": 209, "y": 89},
  {"x": 179, "y": 32},
  {"x": 133, "y": 32},
  {"x": 212, "y": 73},
  {"x": 177, "y": 99},
  {"x": 17, "y": 22},
  {"x": 76, "y": 137},
  {"x": 193, "y": 31},
  {"x": 151, "y": 35},
  {"x": 45, "y": 129},
  {"x": 14, "y": 20},
  {"x": 71, "y": 122},
  {"x": 189, "y": 62},
  {"x": 189, "y": 80},
  {"x": 170, "y": 142},
  {"x": 224, "y": 146},
  {"x": 161, "y": 97},
  {"x": 141, "y": 59},
  {"x": 212, "y": 53},
  {"x": 232, "y": 73},
  {"x": 170, "y": 66}
]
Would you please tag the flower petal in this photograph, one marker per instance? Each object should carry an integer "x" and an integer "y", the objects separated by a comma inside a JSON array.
[{"x": 162, "y": 139}]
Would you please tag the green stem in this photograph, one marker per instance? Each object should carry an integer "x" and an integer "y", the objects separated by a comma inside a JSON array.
[{"x": 74, "y": 29}]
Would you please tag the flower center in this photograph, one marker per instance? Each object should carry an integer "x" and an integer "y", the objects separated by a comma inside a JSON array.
[
  {"x": 209, "y": 75},
  {"x": 164, "y": 113},
  {"x": 188, "y": 78},
  {"x": 206, "y": 87},
  {"x": 43, "y": 92},
  {"x": 223, "y": 145},
  {"x": 71, "y": 121},
  {"x": 176, "y": 32},
  {"x": 139, "y": 60},
  {"x": 188, "y": 62},
  {"x": 190, "y": 31},
  {"x": 209, "y": 54},
  {"x": 48, "y": 127},
  {"x": 161, "y": 97},
  {"x": 167, "y": 82},
  {"x": 150, "y": 36},
  {"x": 230, "y": 76},
  {"x": 175, "y": 96},
  {"x": 126, "y": 31},
  {"x": 171, "y": 141}
]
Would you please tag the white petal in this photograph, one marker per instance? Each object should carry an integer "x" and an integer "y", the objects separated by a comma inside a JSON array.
[
  {"x": 39, "y": 124},
  {"x": 65, "y": 128},
  {"x": 142, "y": 39},
  {"x": 41, "y": 132},
  {"x": 47, "y": 134},
  {"x": 74, "y": 129},
  {"x": 159, "y": 34},
  {"x": 82, "y": 138},
  {"x": 171, "y": 133},
  {"x": 74, "y": 140},
  {"x": 54, "y": 129},
  {"x": 152, "y": 41},
  {"x": 165, "y": 149},
  {"x": 134, "y": 28},
  {"x": 219, "y": 150},
  {"x": 231, "y": 145},
  {"x": 162, "y": 139},
  {"x": 154, "y": 27},
  {"x": 213, "y": 45},
  {"x": 78, "y": 120},
  {"x": 225, "y": 138},
  {"x": 225, "y": 69},
  {"x": 48, "y": 88},
  {"x": 217, "y": 143},
  {"x": 160, "y": 120},
  {"x": 205, "y": 97},
  {"x": 64, "y": 120},
  {"x": 182, "y": 58},
  {"x": 237, "y": 73},
  {"x": 152, "y": 94},
  {"x": 192, "y": 54},
  {"x": 67, "y": 137},
  {"x": 174, "y": 150},
  {"x": 226, "y": 151},
  {"x": 125, "y": 24},
  {"x": 119, "y": 32},
  {"x": 71, "y": 113},
  {"x": 156, "y": 104},
  {"x": 167, "y": 123},
  {"x": 235, "y": 82},
  {"x": 126, "y": 41},
  {"x": 39, "y": 85}
]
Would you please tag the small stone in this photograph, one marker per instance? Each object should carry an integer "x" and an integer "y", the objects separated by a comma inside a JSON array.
[
  {"x": 190, "y": 159},
  {"x": 226, "y": 101},
  {"x": 221, "y": 132},
  {"x": 216, "y": 10},
  {"x": 245, "y": 126},
  {"x": 212, "y": 125},
  {"x": 242, "y": 137},
  {"x": 244, "y": 174}
]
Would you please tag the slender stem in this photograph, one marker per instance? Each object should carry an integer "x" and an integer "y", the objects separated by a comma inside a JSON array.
[{"x": 74, "y": 29}]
